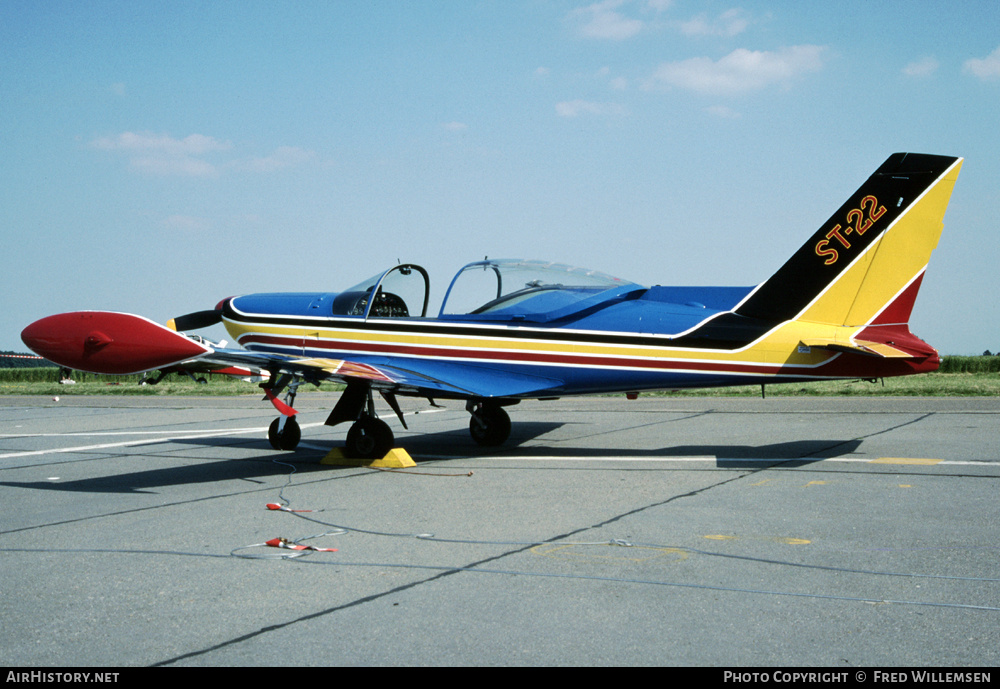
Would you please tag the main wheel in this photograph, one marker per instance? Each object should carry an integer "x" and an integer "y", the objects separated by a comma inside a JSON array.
[
  {"x": 288, "y": 438},
  {"x": 490, "y": 425},
  {"x": 369, "y": 438}
]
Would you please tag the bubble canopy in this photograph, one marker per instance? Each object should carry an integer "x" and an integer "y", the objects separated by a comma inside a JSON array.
[{"x": 532, "y": 290}]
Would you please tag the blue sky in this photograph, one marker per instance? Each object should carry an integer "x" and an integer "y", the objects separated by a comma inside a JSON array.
[{"x": 158, "y": 157}]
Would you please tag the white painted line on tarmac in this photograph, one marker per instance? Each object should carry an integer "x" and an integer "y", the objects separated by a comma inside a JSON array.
[
  {"x": 195, "y": 435},
  {"x": 742, "y": 460}
]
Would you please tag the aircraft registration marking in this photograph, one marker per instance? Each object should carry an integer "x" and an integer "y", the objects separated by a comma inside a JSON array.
[{"x": 861, "y": 225}]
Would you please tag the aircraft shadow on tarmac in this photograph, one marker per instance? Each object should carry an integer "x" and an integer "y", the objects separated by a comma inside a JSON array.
[
  {"x": 440, "y": 446},
  {"x": 456, "y": 445},
  {"x": 245, "y": 469},
  {"x": 253, "y": 469}
]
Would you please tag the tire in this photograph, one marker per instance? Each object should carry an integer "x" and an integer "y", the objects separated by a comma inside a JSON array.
[
  {"x": 369, "y": 438},
  {"x": 490, "y": 426},
  {"x": 289, "y": 437}
]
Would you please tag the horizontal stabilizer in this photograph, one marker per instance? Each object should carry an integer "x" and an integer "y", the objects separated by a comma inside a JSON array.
[{"x": 883, "y": 341}]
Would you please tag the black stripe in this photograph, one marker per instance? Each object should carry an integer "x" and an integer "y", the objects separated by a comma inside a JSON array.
[
  {"x": 727, "y": 336},
  {"x": 896, "y": 185}
]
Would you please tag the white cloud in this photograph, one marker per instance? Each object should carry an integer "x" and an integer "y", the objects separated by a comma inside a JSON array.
[
  {"x": 740, "y": 71},
  {"x": 192, "y": 156},
  {"x": 161, "y": 154},
  {"x": 195, "y": 144},
  {"x": 921, "y": 68},
  {"x": 575, "y": 108},
  {"x": 728, "y": 24},
  {"x": 283, "y": 157},
  {"x": 986, "y": 68},
  {"x": 603, "y": 20},
  {"x": 455, "y": 126},
  {"x": 169, "y": 166}
]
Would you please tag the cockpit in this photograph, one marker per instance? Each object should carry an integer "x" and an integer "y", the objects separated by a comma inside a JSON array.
[
  {"x": 509, "y": 289},
  {"x": 400, "y": 292}
]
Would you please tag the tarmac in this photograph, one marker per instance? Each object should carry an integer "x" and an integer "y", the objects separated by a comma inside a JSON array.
[{"x": 668, "y": 531}]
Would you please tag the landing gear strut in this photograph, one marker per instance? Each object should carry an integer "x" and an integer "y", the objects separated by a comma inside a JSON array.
[{"x": 284, "y": 432}]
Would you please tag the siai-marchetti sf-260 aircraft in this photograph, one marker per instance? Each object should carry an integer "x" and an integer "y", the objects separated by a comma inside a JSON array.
[{"x": 510, "y": 330}]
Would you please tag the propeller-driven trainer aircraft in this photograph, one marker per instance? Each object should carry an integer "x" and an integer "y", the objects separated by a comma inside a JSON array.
[{"x": 510, "y": 330}]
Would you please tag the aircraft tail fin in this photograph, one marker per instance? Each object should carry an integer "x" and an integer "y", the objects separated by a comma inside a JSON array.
[{"x": 864, "y": 265}]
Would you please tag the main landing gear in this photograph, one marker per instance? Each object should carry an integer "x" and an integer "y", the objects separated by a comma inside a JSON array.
[
  {"x": 369, "y": 437},
  {"x": 490, "y": 424},
  {"x": 284, "y": 433}
]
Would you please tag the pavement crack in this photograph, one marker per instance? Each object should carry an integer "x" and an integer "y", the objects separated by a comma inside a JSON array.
[
  {"x": 873, "y": 434},
  {"x": 441, "y": 575}
]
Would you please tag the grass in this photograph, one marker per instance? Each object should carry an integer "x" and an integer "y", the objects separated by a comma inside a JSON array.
[
  {"x": 924, "y": 385},
  {"x": 45, "y": 381},
  {"x": 966, "y": 376}
]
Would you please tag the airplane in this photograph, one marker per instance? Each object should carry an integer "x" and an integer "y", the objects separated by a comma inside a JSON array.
[{"x": 512, "y": 330}]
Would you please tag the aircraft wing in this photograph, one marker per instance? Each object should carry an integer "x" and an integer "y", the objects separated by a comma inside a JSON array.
[
  {"x": 406, "y": 376},
  {"x": 313, "y": 369},
  {"x": 121, "y": 343}
]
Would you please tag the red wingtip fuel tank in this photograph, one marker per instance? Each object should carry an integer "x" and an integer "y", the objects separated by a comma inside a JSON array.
[{"x": 107, "y": 342}]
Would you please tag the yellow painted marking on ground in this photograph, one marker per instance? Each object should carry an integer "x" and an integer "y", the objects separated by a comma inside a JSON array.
[
  {"x": 816, "y": 483},
  {"x": 787, "y": 540},
  {"x": 905, "y": 485},
  {"x": 906, "y": 460},
  {"x": 577, "y": 551}
]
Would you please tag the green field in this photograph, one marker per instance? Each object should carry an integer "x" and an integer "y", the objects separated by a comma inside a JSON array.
[{"x": 959, "y": 376}]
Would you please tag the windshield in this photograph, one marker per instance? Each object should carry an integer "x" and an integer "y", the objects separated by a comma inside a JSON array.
[
  {"x": 526, "y": 288},
  {"x": 402, "y": 291}
]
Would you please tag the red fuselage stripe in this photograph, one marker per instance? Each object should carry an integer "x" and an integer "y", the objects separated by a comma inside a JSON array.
[{"x": 511, "y": 357}]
